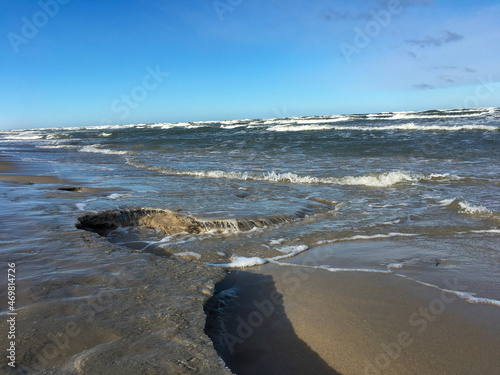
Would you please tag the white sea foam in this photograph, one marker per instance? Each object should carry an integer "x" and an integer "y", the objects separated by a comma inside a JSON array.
[
  {"x": 115, "y": 196},
  {"x": 496, "y": 231},
  {"x": 468, "y": 208},
  {"x": 96, "y": 149},
  {"x": 56, "y": 136},
  {"x": 55, "y": 145},
  {"x": 383, "y": 179},
  {"x": 465, "y": 208},
  {"x": 417, "y": 115},
  {"x": 241, "y": 262},
  {"x": 334, "y": 269},
  {"x": 323, "y": 120},
  {"x": 396, "y": 127},
  {"x": 81, "y": 206},
  {"x": 296, "y": 128},
  {"x": 446, "y": 202},
  {"x": 360, "y": 237},
  {"x": 184, "y": 125},
  {"x": 368, "y": 270},
  {"x": 395, "y": 265},
  {"x": 289, "y": 251},
  {"x": 469, "y": 297},
  {"x": 21, "y": 135},
  {"x": 297, "y": 121},
  {"x": 466, "y": 296},
  {"x": 233, "y": 126}
]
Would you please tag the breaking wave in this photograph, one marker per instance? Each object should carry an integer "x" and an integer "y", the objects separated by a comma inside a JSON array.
[
  {"x": 96, "y": 149},
  {"x": 463, "y": 207},
  {"x": 396, "y": 127},
  {"x": 382, "y": 179}
]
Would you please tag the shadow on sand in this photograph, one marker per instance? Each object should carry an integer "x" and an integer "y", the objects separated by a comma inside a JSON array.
[{"x": 247, "y": 323}]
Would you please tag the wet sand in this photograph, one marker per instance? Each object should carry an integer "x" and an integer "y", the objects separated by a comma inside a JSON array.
[
  {"x": 7, "y": 165},
  {"x": 32, "y": 173},
  {"x": 25, "y": 172},
  {"x": 87, "y": 306},
  {"x": 358, "y": 323},
  {"x": 252, "y": 332},
  {"x": 104, "y": 311}
]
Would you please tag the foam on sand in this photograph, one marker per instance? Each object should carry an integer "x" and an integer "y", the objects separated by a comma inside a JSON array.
[
  {"x": 243, "y": 262},
  {"x": 466, "y": 296},
  {"x": 367, "y": 237}
]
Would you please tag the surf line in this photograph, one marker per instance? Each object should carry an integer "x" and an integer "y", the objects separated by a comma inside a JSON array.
[{"x": 468, "y": 297}]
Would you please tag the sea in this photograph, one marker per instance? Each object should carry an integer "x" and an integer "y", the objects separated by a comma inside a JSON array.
[{"x": 410, "y": 193}]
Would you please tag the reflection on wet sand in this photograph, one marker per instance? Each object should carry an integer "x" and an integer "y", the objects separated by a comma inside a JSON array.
[{"x": 247, "y": 322}]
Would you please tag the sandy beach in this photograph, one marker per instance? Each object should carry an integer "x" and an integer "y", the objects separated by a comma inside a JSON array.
[{"x": 355, "y": 323}]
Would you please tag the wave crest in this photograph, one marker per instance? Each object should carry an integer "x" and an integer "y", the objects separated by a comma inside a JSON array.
[
  {"x": 460, "y": 205},
  {"x": 381, "y": 179},
  {"x": 396, "y": 127}
]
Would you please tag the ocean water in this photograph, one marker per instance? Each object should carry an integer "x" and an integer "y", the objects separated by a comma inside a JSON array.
[{"x": 410, "y": 193}]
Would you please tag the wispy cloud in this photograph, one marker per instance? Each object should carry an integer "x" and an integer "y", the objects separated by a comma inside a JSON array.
[
  {"x": 447, "y": 79},
  {"x": 453, "y": 67},
  {"x": 445, "y": 67},
  {"x": 431, "y": 41},
  {"x": 423, "y": 86},
  {"x": 413, "y": 55}
]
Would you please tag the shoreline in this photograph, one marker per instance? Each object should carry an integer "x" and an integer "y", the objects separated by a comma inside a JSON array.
[
  {"x": 27, "y": 173},
  {"x": 147, "y": 311}
]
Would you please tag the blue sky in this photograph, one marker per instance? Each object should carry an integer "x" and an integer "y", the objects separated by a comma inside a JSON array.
[{"x": 76, "y": 62}]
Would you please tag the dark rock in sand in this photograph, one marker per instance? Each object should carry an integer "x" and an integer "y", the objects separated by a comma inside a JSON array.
[
  {"x": 70, "y": 188},
  {"x": 174, "y": 222}
]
